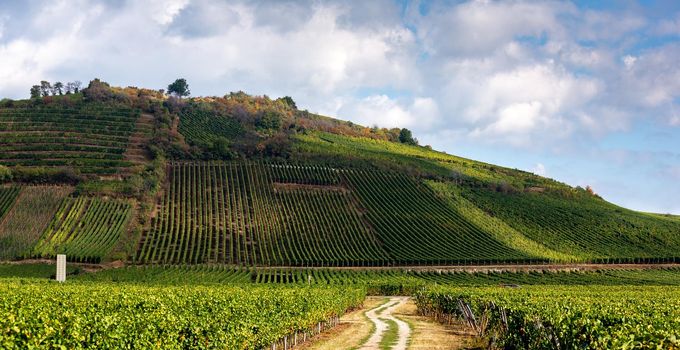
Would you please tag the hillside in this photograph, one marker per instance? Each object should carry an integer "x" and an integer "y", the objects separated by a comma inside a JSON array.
[{"x": 126, "y": 173}]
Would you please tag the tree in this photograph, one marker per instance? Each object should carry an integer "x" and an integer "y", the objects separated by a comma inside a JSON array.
[
  {"x": 98, "y": 90},
  {"x": 179, "y": 88},
  {"x": 288, "y": 101},
  {"x": 270, "y": 120},
  {"x": 76, "y": 86},
  {"x": 405, "y": 136},
  {"x": 35, "y": 91},
  {"x": 59, "y": 87},
  {"x": 45, "y": 88},
  {"x": 5, "y": 173}
]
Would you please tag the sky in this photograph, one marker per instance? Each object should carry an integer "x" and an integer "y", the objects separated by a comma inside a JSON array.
[{"x": 585, "y": 92}]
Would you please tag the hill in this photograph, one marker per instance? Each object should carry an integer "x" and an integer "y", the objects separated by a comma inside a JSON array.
[{"x": 129, "y": 174}]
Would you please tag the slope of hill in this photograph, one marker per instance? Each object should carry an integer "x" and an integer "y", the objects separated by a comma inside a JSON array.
[
  {"x": 87, "y": 138},
  {"x": 250, "y": 180},
  {"x": 282, "y": 214}
]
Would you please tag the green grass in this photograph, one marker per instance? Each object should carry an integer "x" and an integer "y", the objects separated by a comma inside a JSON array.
[
  {"x": 39, "y": 271},
  {"x": 414, "y": 160},
  {"x": 390, "y": 335}
]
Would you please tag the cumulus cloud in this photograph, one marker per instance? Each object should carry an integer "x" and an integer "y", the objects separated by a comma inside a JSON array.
[
  {"x": 384, "y": 111},
  {"x": 539, "y": 169}
]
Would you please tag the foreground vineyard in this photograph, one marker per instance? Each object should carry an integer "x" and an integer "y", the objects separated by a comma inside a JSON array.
[
  {"x": 89, "y": 138},
  {"x": 107, "y": 316},
  {"x": 280, "y": 214},
  {"x": 563, "y": 317}
]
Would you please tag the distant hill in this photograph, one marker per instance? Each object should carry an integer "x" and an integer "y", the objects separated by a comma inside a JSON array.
[{"x": 129, "y": 174}]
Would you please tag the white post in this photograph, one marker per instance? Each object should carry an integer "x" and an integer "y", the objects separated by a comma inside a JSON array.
[{"x": 61, "y": 268}]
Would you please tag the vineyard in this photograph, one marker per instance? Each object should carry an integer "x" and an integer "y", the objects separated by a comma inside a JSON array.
[
  {"x": 220, "y": 274},
  {"x": 85, "y": 229},
  {"x": 7, "y": 197},
  {"x": 282, "y": 214},
  {"x": 89, "y": 138},
  {"x": 115, "y": 316},
  {"x": 204, "y": 127},
  {"x": 561, "y": 317},
  {"x": 587, "y": 228},
  {"x": 23, "y": 224}
]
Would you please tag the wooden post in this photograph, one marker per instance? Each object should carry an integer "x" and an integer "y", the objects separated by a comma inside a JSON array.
[{"x": 61, "y": 268}]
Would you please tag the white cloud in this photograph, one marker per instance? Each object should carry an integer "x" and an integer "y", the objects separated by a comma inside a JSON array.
[
  {"x": 520, "y": 105},
  {"x": 539, "y": 169},
  {"x": 477, "y": 27},
  {"x": 383, "y": 111},
  {"x": 629, "y": 61},
  {"x": 668, "y": 26}
]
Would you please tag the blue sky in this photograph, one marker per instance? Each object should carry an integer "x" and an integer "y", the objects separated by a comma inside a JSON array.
[{"x": 586, "y": 92}]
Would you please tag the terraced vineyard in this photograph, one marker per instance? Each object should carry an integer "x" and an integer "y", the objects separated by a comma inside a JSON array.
[
  {"x": 203, "y": 127},
  {"x": 282, "y": 214},
  {"x": 90, "y": 138},
  {"x": 85, "y": 229},
  {"x": 22, "y": 226}
]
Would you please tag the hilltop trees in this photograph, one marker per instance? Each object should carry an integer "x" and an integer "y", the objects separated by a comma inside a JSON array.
[
  {"x": 73, "y": 87},
  {"x": 405, "y": 136},
  {"x": 46, "y": 88},
  {"x": 35, "y": 91},
  {"x": 58, "y": 88},
  {"x": 179, "y": 88}
]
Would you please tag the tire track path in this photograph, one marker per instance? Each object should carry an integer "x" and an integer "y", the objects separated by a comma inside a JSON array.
[{"x": 378, "y": 316}]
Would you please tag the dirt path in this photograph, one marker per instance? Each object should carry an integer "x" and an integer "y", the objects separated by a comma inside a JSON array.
[
  {"x": 353, "y": 330},
  {"x": 380, "y": 316},
  {"x": 429, "y": 334}
]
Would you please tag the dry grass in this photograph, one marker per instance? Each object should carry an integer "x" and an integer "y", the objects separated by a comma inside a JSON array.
[
  {"x": 353, "y": 330},
  {"x": 431, "y": 335}
]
